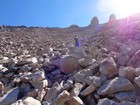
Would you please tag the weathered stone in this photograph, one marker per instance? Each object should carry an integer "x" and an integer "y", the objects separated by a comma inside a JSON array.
[
  {"x": 106, "y": 101},
  {"x": 127, "y": 72},
  {"x": 68, "y": 64},
  {"x": 25, "y": 68},
  {"x": 52, "y": 93},
  {"x": 94, "y": 67},
  {"x": 133, "y": 61},
  {"x": 127, "y": 103},
  {"x": 81, "y": 75},
  {"x": 96, "y": 81},
  {"x": 108, "y": 66},
  {"x": 74, "y": 101},
  {"x": 31, "y": 101},
  {"x": 1, "y": 86},
  {"x": 77, "y": 52},
  {"x": 10, "y": 97},
  {"x": 126, "y": 96},
  {"x": 137, "y": 80},
  {"x": 87, "y": 61},
  {"x": 76, "y": 89},
  {"x": 118, "y": 84},
  {"x": 137, "y": 72},
  {"x": 41, "y": 94},
  {"x": 123, "y": 59},
  {"x": 94, "y": 51},
  {"x": 62, "y": 98},
  {"x": 91, "y": 88}
]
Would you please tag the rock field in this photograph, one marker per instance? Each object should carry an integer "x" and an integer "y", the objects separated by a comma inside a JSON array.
[{"x": 41, "y": 66}]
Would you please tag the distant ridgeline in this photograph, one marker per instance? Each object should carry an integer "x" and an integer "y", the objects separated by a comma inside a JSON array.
[{"x": 93, "y": 27}]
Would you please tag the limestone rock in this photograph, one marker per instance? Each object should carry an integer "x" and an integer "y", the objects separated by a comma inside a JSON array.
[
  {"x": 87, "y": 61},
  {"x": 76, "y": 89},
  {"x": 62, "y": 98},
  {"x": 96, "y": 81},
  {"x": 118, "y": 84},
  {"x": 74, "y": 101},
  {"x": 68, "y": 64},
  {"x": 127, "y": 72},
  {"x": 91, "y": 88},
  {"x": 137, "y": 80},
  {"x": 81, "y": 75},
  {"x": 108, "y": 66},
  {"x": 106, "y": 101},
  {"x": 31, "y": 101}
]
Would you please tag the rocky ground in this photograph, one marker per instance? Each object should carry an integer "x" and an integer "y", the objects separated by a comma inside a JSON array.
[{"x": 40, "y": 66}]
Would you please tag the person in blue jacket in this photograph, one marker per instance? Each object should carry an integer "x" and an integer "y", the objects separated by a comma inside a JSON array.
[{"x": 77, "y": 43}]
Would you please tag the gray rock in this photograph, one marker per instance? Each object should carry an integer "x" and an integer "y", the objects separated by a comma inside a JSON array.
[
  {"x": 91, "y": 88},
  {"x": 62, "y": 98},
  {"x": 41, "y": 94},
  {"x": 87, "y": 61},
  {"x": 96, "y": 81},
  {"x": 117, "y": 84},
  {"x": 81, "y": 75},
  {"x": 123, "y": 59},
  {"x": 106, "y": 101},
  {"x": 76, "y": 89},
  {"x": 25, "y": 68},
  {"x": 31, "y": 101},
  {"x": 1, "y": 86},
  {"x": 137, "y": 72},
  {"x": 137, "y": 80},
  {"x": 108, "y": 66},
  {"x": 74, "y": 101},
  {"x": 52, "y": 93},
  {"x": 126, "y": 96},
  {"x": 127, "y": 103},
  {"x": 127, "y": 72},
  {"x": 10, "y": 97},
  {"x": 68, "y": 64}
]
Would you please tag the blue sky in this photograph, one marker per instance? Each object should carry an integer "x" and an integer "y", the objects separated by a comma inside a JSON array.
[{"x": 51, "y": 13}]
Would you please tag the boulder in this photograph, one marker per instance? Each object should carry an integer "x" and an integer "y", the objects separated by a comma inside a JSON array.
[
  {"x": 76, "y": 89},
  {"x": 108, "y": 66},
  {"x": 106, "y": 101},
  {"x": 30, "y": 101},
  {"x": 62, "y": 98},
  {"x": 68, "y": 64},
  {"x": 91, "y": 88},
  {"x": 137, "y": 72},
  {"x": 87, "y": 61},
  {"x": 137, "y": 80},
  {"x": 126, "y": 96},
  {"x": 96, "y": 81},
  {"x": 117, "y": 84},
  {"x": 74, "y": 101},
  {"x": 127, "y": 103},
  {"x": 123, "y": 59},
  {"x": 10, "y": 97},
  {"x": 127, "y": 72},
  {"x": 81, "y": 75}
]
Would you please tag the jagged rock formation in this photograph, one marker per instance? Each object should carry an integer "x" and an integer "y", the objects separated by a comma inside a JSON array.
[{"x": 40, "y": 66}]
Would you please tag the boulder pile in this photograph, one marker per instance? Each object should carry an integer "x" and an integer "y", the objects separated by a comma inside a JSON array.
[{"x": 105, "y": 70}]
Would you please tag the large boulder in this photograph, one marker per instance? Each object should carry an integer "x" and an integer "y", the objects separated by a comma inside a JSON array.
[
  {"x": 117, "y": 84},
  {"x": 10, "y": 97},
  {"x": 137, "y": 80},
  {"x": 77, "y": 52},
  {"x": 108, "y": 66},
  {"x": 68, "y": 64},
  {"x": 127, "y": 72}
]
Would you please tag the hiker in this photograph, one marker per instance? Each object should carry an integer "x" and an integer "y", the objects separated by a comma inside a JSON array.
[{"x": 77, "y": 44}]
